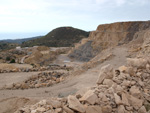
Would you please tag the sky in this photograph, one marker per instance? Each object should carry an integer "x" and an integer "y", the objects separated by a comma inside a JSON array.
[{"x": 27, "y": 18}]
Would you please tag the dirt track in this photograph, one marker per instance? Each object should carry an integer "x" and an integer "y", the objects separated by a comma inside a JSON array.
[{"x": 63, "y": 89}]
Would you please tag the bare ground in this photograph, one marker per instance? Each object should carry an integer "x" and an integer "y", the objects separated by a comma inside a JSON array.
[{"x": 73, "y": 84}]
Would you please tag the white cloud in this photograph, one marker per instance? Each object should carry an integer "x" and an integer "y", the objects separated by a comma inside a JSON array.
[{"x": 42, "y": 14}]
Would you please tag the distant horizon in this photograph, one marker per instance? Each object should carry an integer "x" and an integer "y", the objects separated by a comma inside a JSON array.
[
  {"x": 13, "y": 36},
  {"x": 21, "y": 35},
  {"x": 38, "y": 17}
]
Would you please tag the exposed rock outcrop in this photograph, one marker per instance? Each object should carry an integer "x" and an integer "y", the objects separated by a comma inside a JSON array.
[{"x": 109, "y": 35}]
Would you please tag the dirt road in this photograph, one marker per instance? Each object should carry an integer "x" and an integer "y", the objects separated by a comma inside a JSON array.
[{"x": 70, "y": 86}]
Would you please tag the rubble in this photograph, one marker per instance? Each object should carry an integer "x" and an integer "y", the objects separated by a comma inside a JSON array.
[
  {"x": 43, "y": 79},
  {"x": 46, "y": 68},
  {"x": 125, "y": 94}
]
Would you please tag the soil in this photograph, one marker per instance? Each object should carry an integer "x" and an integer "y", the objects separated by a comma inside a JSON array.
[{"x": 73, "y": 84}]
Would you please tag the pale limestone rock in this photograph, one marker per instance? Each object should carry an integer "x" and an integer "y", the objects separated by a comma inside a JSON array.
[
  {"x": 131, "y": 71},
  {"x": 122, "y": 69},
  {"x": 66, "y": 109},
  {"x": 106, "y": 72},
  {"x": 93, "y": 109},
  {"x": 41, "y": 109},
  {"x": 117, "y": 99},
  {"x": 42, "y": 102},
  {"x": 137, "y": 62},
  {"x": 58, "y": 110},
  {"x": 108, "y": 82},
  {"x": 135, "y": 102},
  {"x": 142, "y": 110},
  {"x": 126, "y": 83},
  {"x": 124, "y": 99},
  {"x": 106, "y": 109},
  {"x": 54, "y": 103},
  {"x": 119, "y": 89},
  {"x": 34, "y": 111},
  {"x": 75, "y": 104},
  {"x": 121, "y": 109},
  {"x": 89, "y": 97},
  {"x": 135, "y": 91}
]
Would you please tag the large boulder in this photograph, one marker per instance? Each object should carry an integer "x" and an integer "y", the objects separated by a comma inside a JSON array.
[
  {"x": 106, "y": 72},
  {"x": 75, "y": 104},
  {"x": 90, "y": 97}
]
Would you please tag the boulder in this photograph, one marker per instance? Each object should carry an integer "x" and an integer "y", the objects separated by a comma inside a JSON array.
[
  {"x": 89, "y": 97},
  {"x": 106, "y": 72},
  {"x": 75, "y": 104}
]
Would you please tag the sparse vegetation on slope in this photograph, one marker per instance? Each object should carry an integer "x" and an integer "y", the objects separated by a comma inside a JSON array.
[{"x": 59, "y": 37}]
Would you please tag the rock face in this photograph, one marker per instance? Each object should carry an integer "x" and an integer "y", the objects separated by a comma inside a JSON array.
[
  {"x": 108, "y": 35},
  {"x": 126, "y": 94}
]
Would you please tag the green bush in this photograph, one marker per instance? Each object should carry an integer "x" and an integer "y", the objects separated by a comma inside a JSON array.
[{"x": 13, "y": 61}]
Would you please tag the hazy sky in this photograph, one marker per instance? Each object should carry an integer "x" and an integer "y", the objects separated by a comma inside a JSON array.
[{"x": 22, "y": 18}]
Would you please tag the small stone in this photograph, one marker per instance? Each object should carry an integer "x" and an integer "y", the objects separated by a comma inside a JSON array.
[
  {"x": 124, "y": 99},
  {"x": 108, "y": 82},
  {"x": 40, "y": 109},
  {"x": 142, "y": 110},
  {"x": 126, "y": 83},
  {"x": 121, "y": 109},
  {"x": 135, "y": 102},
  {"x": 58, "y": 110},
  {"x": 68, "y": 110},
  {"x": 37, "y": 85},
  {"x": 54, "y": 103},
  {"x": 122, "y": 69},
  {"x": 106, "y": 109},
  {"x": 93, "y": 109},
  {"x": 117, "y": 99},
  {"x": 135, "y": 91}
]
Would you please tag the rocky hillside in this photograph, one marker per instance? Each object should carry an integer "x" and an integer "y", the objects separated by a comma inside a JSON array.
[
  {"x": 59, "y": 37},
  {"x": 7, "y": 46},
  {"x": 109, "y": 35}
]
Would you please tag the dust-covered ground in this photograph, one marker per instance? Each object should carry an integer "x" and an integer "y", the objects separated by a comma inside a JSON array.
[{"x": 71, "y": 85}]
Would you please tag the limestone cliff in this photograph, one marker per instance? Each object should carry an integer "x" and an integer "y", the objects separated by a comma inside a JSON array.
[{"x": 106, "y": 36}]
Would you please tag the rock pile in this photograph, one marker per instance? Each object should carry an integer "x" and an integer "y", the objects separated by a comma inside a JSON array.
[
  {"x": 126, "y": 90},
  {"x": 36, "y": 69},
  {"x": 43, "y": 79}
]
